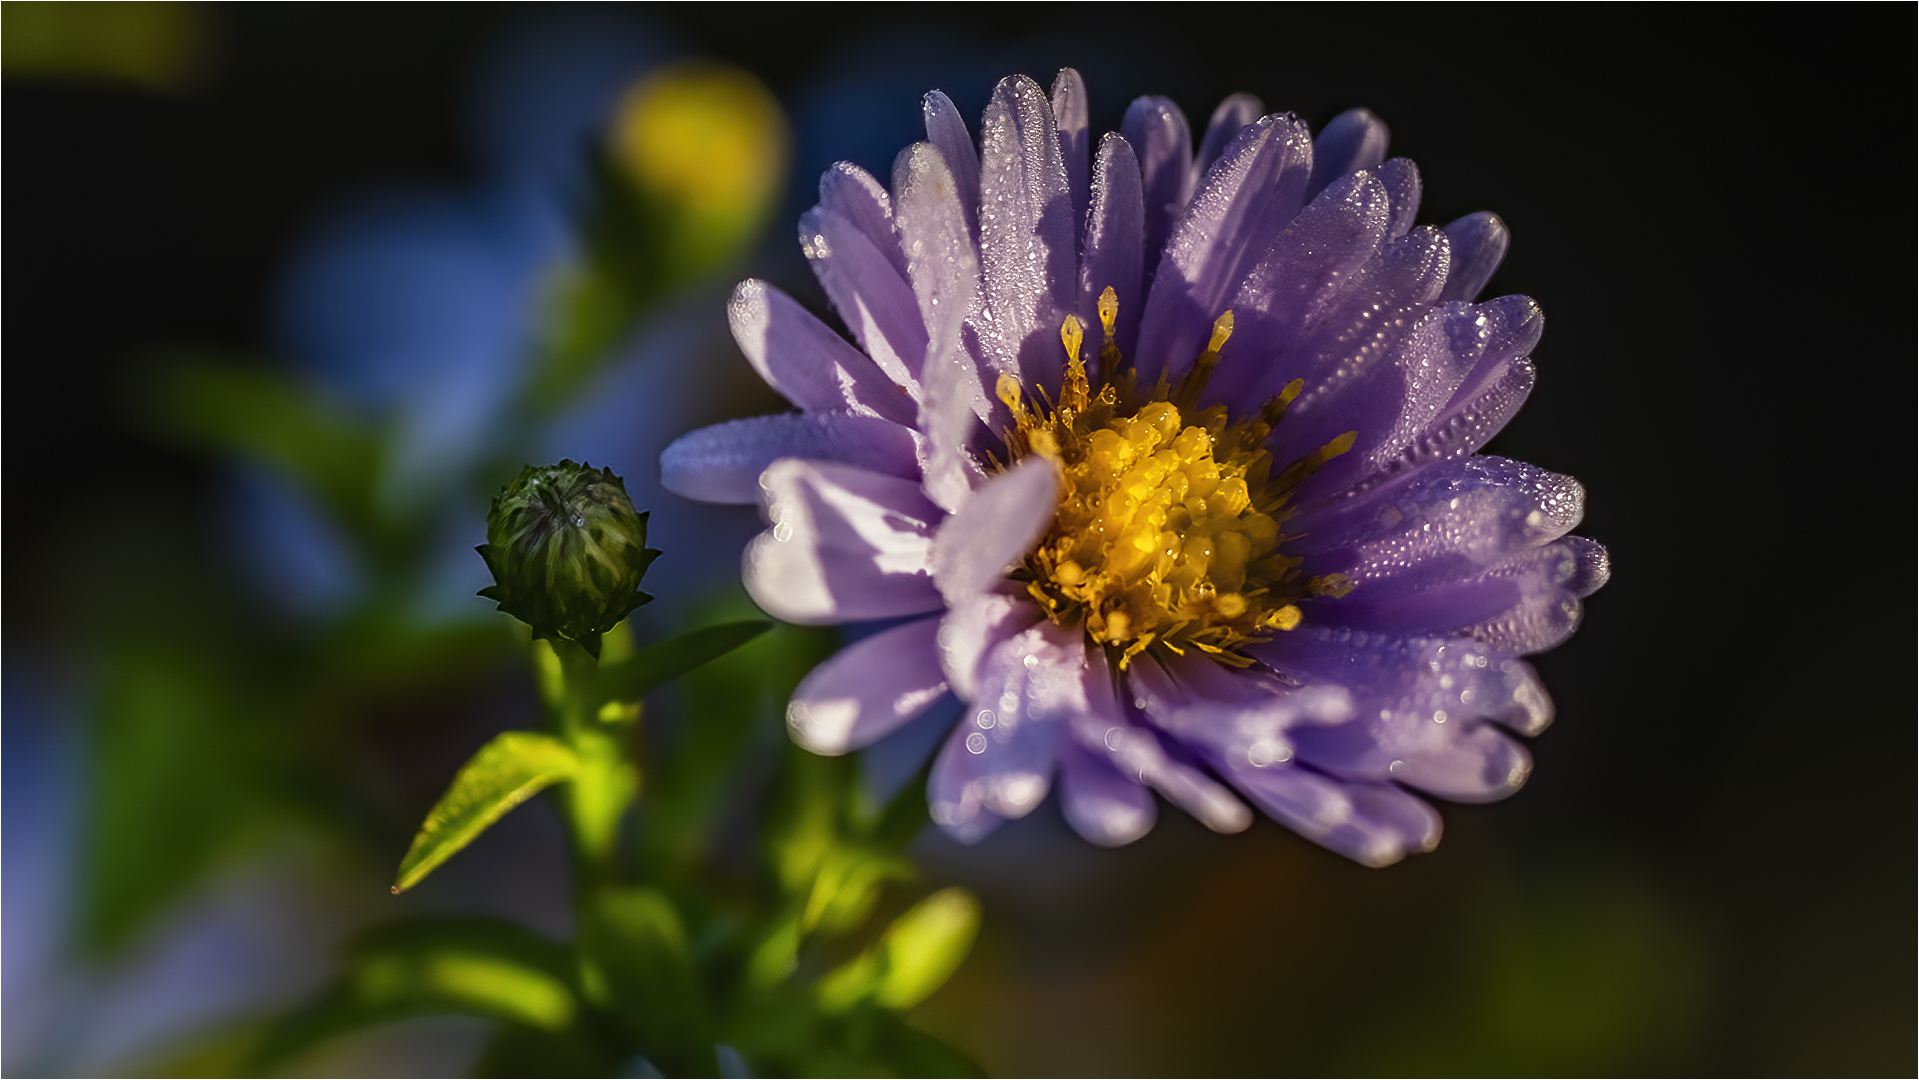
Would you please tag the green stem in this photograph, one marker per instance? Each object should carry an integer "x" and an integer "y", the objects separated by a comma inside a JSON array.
[{"x": 608, "y": 781}]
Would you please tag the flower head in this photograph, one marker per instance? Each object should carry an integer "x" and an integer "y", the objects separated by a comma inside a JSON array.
[
  {"x": 567, "y": 551},
  {"x": 1167, "y": 461}
]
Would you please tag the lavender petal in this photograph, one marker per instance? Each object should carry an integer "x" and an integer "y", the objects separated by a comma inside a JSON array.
[
  {"x": 1401, "y": 681},
  {"x": 1372, "y": 824},
  {"x": 1000, "y": 759},
  {"x": 1459, "y": 758},
  {"x": 1163, "y": 142},
  {"x": 974, "y": 627},
  {"x": 1461, "y": 375},
  {"x": 1100, "y": 804},
  {"x": 943, "y": 267},
  {"x": 1070, "y": 108},
  {"x": 1351, "y": 141},
  {"x": 1114, "y": 251},
  {"x": 1232, "y": 114},
  {"x": 869, "y": 292},
  {"x": 946, "y": 129},
  {"x": 853, "y": 193},
  {"x": 1257, "y": 186},
  {"x": 1524, "y": 505},
  {"x": 1479, "y": 245},
  {"x": 997, "y": 527},
  {"x": 1403, "y": 187},
  {"x": 868, "y": 690},
  {"x": 845, "y": 544},
  {"x": 1298, "y": 275},
  {"x": 1029, "y": 259},
  {"x": 722, "y": 463},
  {"x": 803, "y": 359}
]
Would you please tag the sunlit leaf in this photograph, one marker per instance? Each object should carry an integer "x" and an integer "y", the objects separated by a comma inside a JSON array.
[
  {"x": 918, "y": 953},
  {"x": 506, "y": 772},
  {"x": 631, "y": 678},
  {"x": 925, "y": 946},
  {"x": 475, "y": 967}
]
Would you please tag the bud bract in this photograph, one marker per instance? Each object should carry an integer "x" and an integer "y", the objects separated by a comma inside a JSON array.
[{"x": 567, "y": 551}]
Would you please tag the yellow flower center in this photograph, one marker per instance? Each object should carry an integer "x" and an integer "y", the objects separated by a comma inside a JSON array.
[{"x": 1168, "y": 530}]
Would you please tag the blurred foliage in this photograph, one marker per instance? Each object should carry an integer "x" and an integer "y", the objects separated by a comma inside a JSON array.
[
  {"x": 708, "y": 954},
  {"x": 157, "y": 45},
  {"x": 284, "y": 715},
  {"x": 737, "y": 902},
  {"x": 696, "y": 161}
]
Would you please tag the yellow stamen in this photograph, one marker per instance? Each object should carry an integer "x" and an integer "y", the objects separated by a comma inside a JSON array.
[
  {"x": 1071, "y": 335},
  {"x": 1007, "y": 390},
  {"x": 1201, "y": 372},
  {"x": 1167, "y": 534},
  {"x": 1073, "y": 391}
]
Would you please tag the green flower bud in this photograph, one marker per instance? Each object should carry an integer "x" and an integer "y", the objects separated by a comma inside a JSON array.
[{"x": 567, "y": 551}]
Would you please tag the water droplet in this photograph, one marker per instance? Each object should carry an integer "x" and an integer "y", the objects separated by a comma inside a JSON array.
[{"x": 976, "y": 743}]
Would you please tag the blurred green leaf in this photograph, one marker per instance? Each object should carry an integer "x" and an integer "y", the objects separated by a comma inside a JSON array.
[
  {"x": 908, "y": 1051},
  {"x": 604, "y": 785},
  {"x": 734, "y": 707},
  {"x": 917, "y": 954},
  {"x": 260, "y": 414},
  {"x": 523, "y": 1051},
  {"x": 820, "y": 851},
  {"x": 155, "y": 44},
  {"x": 1593, "y": 973},
  {"x": 925, "y": 946},
  {"x": 786, "y": 1034},
  {"x": 175, "y": 776},
  {"x": 631, "y": 678},
  {"x": 477, "y": 967},
  {"x": 634, "y": 936},
  {"x": 506, "y": 772},
  {"x": 682, "y": 187}
]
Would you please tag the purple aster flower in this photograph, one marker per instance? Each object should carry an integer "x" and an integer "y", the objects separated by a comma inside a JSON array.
[{"x": 1165, "y": 464}]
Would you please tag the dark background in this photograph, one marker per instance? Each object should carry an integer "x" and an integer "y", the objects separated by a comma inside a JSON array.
[{"x": 1715, "y": 207}]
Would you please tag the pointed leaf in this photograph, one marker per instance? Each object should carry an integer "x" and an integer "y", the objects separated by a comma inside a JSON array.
[
  {"x": 469, "y": 966},
  {"x": 505, "y": 773},
  {"x": 649, "y": 667}
]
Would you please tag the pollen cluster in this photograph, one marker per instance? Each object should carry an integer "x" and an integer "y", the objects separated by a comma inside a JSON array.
[{"x": 1168, "y": 533}]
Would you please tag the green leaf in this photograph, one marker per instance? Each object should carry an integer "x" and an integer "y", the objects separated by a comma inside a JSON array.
[
  {"x": 912, "y": 1052},
  {"x": 506, "y": 772},
  {"x": 925, "y": 946},
  {"x": 734, "y": 708},
  {"x": 647, "y": 668},
  {"x": 175, "y": 776},
  {"x": 476, "y": 967},
  {"x": 636, "y": 939},
  {"x": 918, "y": 953},
  {"x": 254, "y": 412}
]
